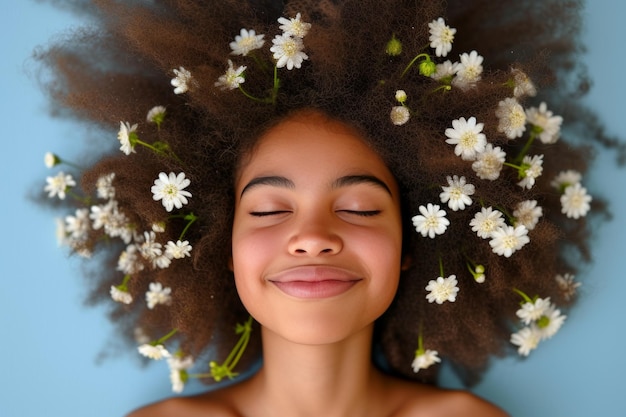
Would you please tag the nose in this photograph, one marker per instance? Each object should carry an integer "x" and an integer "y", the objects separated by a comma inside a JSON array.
[{"x": 314, "y": 237}]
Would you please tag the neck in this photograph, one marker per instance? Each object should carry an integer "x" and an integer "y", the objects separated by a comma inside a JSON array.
[{"x": 335, "y": 379}]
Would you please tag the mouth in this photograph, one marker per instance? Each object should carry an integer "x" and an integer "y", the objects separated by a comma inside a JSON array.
[{"x": 313, "y": 282}]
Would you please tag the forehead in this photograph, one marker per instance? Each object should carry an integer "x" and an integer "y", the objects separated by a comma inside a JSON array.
[{"x": 311, "y": 142}]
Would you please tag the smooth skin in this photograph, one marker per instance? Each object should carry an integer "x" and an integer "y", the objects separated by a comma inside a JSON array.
[{"x": 316, "y": 255}]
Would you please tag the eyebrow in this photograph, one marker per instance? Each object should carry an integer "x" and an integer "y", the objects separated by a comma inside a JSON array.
[{"x": 347, "y": 180}]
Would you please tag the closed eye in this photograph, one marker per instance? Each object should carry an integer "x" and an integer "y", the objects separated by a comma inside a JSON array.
[
  {"x": 362, "y": 213},
  {"x": 267, "y": 213}
]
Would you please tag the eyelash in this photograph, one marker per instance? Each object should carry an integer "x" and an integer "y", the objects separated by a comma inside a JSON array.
[{"x": 366, "y": 213}]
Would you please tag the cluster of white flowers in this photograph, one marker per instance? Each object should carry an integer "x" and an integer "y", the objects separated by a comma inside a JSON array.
[{"x": 541, "y": 320}]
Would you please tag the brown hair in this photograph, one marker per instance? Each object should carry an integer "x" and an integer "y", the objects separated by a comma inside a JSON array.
[{"x": 122, "y": 67}]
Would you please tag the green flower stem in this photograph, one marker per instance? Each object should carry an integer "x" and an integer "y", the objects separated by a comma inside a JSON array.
[
  {"x": 276, "y": 85},
  {"x": 251, "y": 97},
  {"x": 124, "y": 285},
  {"x": 533, "y": 134},
  {"x": 164, "y": 338},
  {"x": 83, "y": 199},
  {"x": 68, "y": 163},
  {"x": 191, "y": 218},
  {"x": 440, "y": 267},
  {"x": 408, "y": 67},
  {"x": 523, "y": 295}
]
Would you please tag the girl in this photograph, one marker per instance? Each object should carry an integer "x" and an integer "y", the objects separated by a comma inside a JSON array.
[{"x": 352, "y": 191}]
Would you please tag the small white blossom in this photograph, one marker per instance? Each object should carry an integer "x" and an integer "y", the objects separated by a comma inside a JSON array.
[
  {"x": 567, "y": 285},
  {"x": 50, "y": 160},
  {"x": 59, "y": 184},
  {"x": 158, "y": 227},
  {"x": 508, "y": 239},
  {"x": 294, "y": 27},
  {"x": 170, "y": 189},
  {"x": 104, "y": 186},
  {"x": 446, "y": 69},
  {"x": 489, "y": 162},
  {"x": 124, "y": 136},
  {"x": 400, "y": 96},
  {"x": 246, "y": 42},
  {"x": 157, "y": 294},
  {"x": 156, "y": 115},
  {"x": 120, "y": 296},
  {"x": 532, "y": 167},
  {"x": 467, "y": 136},
  {"x": 543, "y": 120},
  {"x": 128, "y": 261},
  {"x": 232, "y": 78},
  {"x": 178, "y": 250},
  {"x": 140, "y": 335},
  {"x": 149, "y": 248},
  {"x": 468, "y": 70},
  {"x": 523, "y": 84},
  {"x": 78, "y": 225},
  {"x": 431, "y": 222},
  {"x": 566, "y": 178},
  {"x": 182, "y": 80},
  {"x": 575, "y": 202},
  {"x": 399, "y": 115},
  {"x": 155, "y": 352},
  {"x": 288, "y": 52},
  {"x": 441, "y": 37},
  {"x": 457, "y": 193},
  {"x": 425, "y": 359},
  {"x": 550, "y": 322},
  {"x": 442, "y": 290},
  {"x": 161, "y": 261},
  {"x": 178, "y": 372},
  {"x": 531, "y": 311},
  {"x": 512, "y": 118},
  {"x": 527, "y": 339},
  {"x": 486, "y": 221},
  {"x": 527, "y": 213}
]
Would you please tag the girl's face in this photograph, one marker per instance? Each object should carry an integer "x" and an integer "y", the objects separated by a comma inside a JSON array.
[{"x": 317, "y": 231}]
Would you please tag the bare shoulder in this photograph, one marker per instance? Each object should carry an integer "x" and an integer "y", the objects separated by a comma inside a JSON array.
[
  {"x": 204, "y": 405},
  {"x": 424, "y": 400}
]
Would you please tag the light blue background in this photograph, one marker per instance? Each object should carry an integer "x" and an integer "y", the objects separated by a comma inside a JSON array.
[{"x": 50, "y": 342}]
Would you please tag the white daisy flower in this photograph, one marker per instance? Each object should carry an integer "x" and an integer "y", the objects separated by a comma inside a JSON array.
[
  {"x": 550, "y": 322},
  {"x": 532, "y": 311},
  {"x": 575, "y": 202},
  {"x": 178, "y": 372},
  {"x": 548, "y": 125},
  {"x": 441, "y": 37},
  {"x": 523, "y": 85},
  {"x": 431, "y": 222},
  {"x": 566, "y": 178},
  {"x": 294, "y": 27},
  {"x": 182, "y": 80},
  {"x": 444, "y": 70},
  {"x": 527, "y": 213},
  {"x": 120, "y": 296},
  {"x": 442, "y": 290},
  {"x": 506, "y": 240},
  {"x": 156, "y": 352},
  {"x": 424, "y": 359},
  {"x": 399, "y": 115},
  {"x": 527, "y": 339},
  {"x": 288, "y": 52},
  {"x": 59, "y": 184},
  {"x": 467, "y": 136},
  {"x": 489, "y": 162},
  {"x": 232, "y": 79},
  {"x": 178, "y": 250},
  {"x": 162, "y": 261},
  {"x": 100, "y": 214},
  {"x": 468, "y": 70},
  {"x": 457, "y": 193},
  {"x": 127, "y": 136},
  {"x": 50, "y": 160},
  {"x": 400, "y": 96},
  {"x": 78, "y": 225},
  {"x": 512, "y": 118},
  {"x": 567, "y": 285},
  {"x": 532, "y": 167},
  {"x": 156, "y": 115},
  {"x": 246, "y": 42},
  {"x": 157, "y": 294},
  {"x": 104, "y": 186},
  {"x": 150, "y": 249},
  {"x": 486, "y": 221},
  {"x": 128, "y": 261},
  {"x": 170, "y": 189}
]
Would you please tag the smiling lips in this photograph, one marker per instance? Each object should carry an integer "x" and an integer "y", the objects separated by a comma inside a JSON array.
[{"x": 314, "y": 281}]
